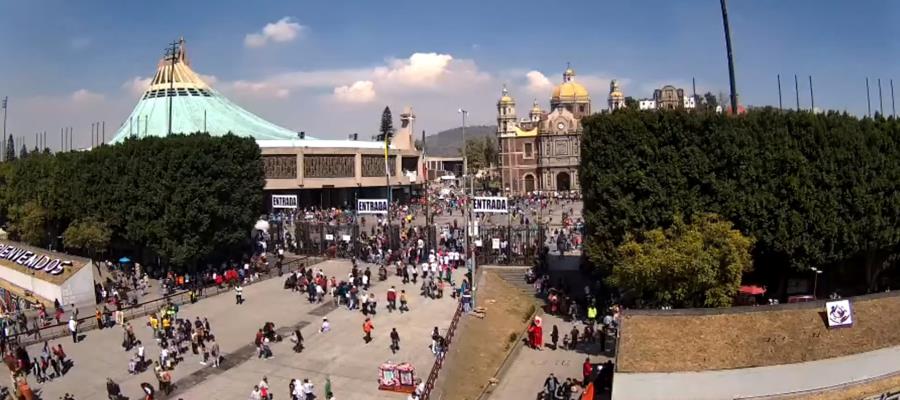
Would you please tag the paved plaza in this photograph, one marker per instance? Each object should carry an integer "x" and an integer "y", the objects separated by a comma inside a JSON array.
[{"x": 340, "y": 354}]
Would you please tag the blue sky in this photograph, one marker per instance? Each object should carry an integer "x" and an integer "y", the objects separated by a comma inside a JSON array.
[{"x": 330, "y": 67}]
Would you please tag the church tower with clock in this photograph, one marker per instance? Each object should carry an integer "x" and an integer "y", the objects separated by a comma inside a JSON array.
[{"x": 541, "y": 153}]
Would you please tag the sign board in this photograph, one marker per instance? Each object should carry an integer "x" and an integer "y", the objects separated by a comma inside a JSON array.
[
  {"x": 329, "y": 236},
  {"x": 839, "y": 314},
  {"x": 495, "y": 243},
  {"x": 490, "y": 204},
  {"x": 345, "y": 238},
  {"x": 477, "y": 242},
  {"x": 29, "y": 259},
  {"x": 372, "y": 206},
  {"x": 284, "y": 201}
]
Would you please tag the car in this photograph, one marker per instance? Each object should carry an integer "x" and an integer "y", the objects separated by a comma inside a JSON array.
[{"x": 801, "y": 298}]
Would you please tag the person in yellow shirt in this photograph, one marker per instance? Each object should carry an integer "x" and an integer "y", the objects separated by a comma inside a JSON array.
[{"x": 154, "y": 322}]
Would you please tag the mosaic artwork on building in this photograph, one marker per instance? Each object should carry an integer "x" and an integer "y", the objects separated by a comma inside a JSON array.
[
  {"x": 374, "y": 166},
  {"x": 280, "y": 167},
  {"x": 330, "y": 166}
]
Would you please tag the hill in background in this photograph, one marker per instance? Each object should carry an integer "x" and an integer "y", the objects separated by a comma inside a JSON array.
[{"x": 448, "y": 143}]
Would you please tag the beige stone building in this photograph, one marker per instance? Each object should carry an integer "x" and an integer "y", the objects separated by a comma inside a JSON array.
[{"x": 542, "y": 152}]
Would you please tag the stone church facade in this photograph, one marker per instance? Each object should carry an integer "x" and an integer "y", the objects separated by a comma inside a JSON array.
[{"x": 542, "y": 152}]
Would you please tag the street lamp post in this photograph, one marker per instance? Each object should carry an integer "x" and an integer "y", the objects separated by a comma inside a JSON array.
[
  {"x": 470, "y": 256},
  {"x": 816, "y": 273}
]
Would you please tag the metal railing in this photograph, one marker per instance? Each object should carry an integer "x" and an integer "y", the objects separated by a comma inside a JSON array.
[
  {"x": 87, "y": 323},
  {"x": 439, "y": 361}
]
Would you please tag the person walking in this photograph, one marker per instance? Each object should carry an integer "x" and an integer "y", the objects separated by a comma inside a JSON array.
[
  {"x": 404, "y": 304},
  {"x": 367, "y": 329},
  {"x": 238, "y": 294},
  {"x": 554, "y": 336},
  {"x": 586, "y": 371},
  {"x": 391, "y": 299},
  {"x": 73, "y": 329},
  {"x": 395, "y": 341}
]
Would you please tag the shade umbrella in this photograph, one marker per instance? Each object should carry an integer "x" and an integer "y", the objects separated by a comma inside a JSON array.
[
  {"x": 752, "y": 290},
  {"x": 124, "y": 260}
]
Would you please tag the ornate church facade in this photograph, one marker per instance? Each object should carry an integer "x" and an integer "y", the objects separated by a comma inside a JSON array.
[{"x": 542, "y": 152}]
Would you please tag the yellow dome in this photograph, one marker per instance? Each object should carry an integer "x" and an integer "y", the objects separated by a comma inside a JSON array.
[
  {"x": 616, "y": 94},
  {"x": 570, "y": 91},
  {"x": 506, "y": 100}
]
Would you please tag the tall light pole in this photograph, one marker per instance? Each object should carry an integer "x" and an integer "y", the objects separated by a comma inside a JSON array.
[
  {"x": 816, "y": 273},
  {"x": 731, "y": 81},
  {"x": 470, "y": 256}
]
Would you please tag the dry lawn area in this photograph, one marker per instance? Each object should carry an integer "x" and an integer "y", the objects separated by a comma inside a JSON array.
[
  {"x": 765, "y": 336},
  {"x": 480, "y": 345}
]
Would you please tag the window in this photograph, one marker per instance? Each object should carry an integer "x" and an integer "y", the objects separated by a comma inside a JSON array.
[
  {"x": 581, "y": 108},
  {"x": 529, "y": 150}
]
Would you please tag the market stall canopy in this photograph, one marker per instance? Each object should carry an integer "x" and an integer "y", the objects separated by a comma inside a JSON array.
[{"x": 124, "y": 260}]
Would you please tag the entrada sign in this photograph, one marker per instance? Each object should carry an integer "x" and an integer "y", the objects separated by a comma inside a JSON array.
[
  {"x": 371, "y": 206},
  {"x": 29, "y": 259},
  {"x": 284, "y": 201},
  {"x": 491, "y": 204}
]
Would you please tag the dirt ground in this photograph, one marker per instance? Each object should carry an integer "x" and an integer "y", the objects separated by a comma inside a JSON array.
[
  {"x": 753, "y": 339},
  {"x": 480, "y": 345},
  {"x": 865, "y": 391}
]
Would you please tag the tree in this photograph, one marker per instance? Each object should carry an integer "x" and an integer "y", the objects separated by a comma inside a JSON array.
[
  {"x": 481, "y": 152},
  {"x": 10, "y": 149},
  {"x": 419, "y": 144},
  {"x": 23, "y": 152},
  {"x": 29, "y": 223},
  {"x": 808, "y": 187},
  {"x": 188, "y": 198},
  {"x": 89, "y": 235},
  {"x": 631, "y": 103},
  {"x": 386, "y": 131},
  {"x": 696, "y": 264},
  {"x": 710, "y": 101}
]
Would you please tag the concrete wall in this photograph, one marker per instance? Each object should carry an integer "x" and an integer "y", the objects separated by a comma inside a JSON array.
[{"x": 78, "y": 289}]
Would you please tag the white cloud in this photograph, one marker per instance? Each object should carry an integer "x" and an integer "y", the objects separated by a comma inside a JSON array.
[
  {"x": 358, "y": 92},
  {"x": 136, "y": 85},
  {"x": 537, "y": 82},
  {"x": 258, "y": 89},
  {"x": 86, "y": 96},
  {"x": 420, "y": 69},
  {"x": 281, "y": 31}
]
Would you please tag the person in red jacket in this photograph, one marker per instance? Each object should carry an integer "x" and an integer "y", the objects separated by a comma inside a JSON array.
[
  {"x": 391, "y": 299},
  {"x": 367, "y": 329},
  {"x": 587, "y": 370}
]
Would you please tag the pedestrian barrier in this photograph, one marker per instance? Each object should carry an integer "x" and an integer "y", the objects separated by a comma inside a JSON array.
[
  {"x": 146, "y": 308},
  {"x": 439, "y": 361}
]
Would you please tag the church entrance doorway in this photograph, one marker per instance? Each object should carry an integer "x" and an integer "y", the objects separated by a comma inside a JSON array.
[
  {"x": 563, "y": 182},
  {"x": 529, "y": 183}
]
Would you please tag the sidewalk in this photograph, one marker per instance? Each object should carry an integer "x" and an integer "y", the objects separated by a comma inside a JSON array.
[{"x": 751, "y": 382}]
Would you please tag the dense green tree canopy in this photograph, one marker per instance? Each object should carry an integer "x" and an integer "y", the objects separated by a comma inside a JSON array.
[
  {"x": 813, "y": 189},
  {"x": 696, "y": 264},
  {"x": 186, "y": 198}
]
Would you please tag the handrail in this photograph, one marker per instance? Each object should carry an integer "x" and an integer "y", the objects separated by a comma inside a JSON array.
[
  {"x": 87, "y": 323},
  {"x": 439, "y": 361}
]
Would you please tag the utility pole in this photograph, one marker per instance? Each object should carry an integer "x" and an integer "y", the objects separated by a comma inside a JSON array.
[
  {"x": 893, "y": 105},
  {"x": 171, "y": 93},
  {"x": 812, "y": 98},
  {"x": 780, "y": 107},
  {"x": 797, "y": 91},
  {"x": 868, "y": 99},
  {"x": 425, "y": 184},
  {"x": 387, "y": 176},
  {"x": 880, "y": 100},
  {"x": 731, "y": 79}
]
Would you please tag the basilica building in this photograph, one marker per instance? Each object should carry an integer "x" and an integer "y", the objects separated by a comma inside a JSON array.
[{"x": 542, "y": 151}]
